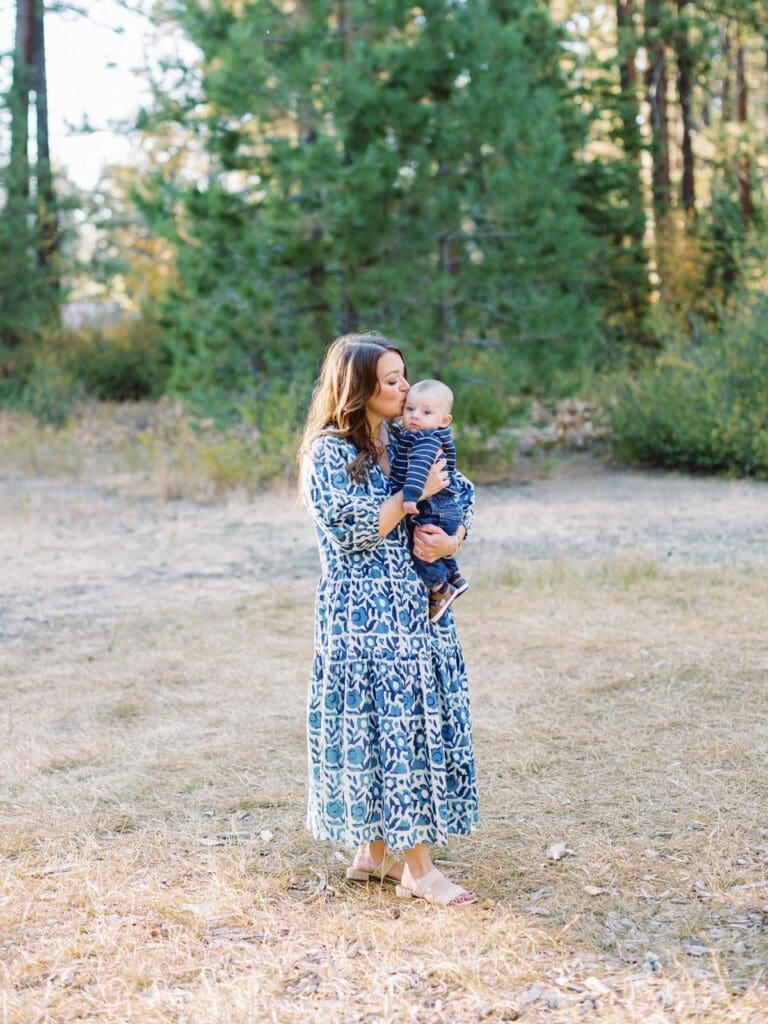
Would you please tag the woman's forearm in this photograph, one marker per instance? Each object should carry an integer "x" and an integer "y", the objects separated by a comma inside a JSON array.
[{"x": 391, "y": 513}]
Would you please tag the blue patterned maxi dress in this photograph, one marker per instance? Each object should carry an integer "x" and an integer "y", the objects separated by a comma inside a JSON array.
[{"x": 389, "y": 732}]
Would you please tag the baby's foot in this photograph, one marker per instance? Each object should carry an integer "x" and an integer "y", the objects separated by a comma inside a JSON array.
[
  {"x": 440, "y": 600},
  {"x": 459, "y": 583}
]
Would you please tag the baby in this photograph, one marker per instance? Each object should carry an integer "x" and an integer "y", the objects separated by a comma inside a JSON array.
[{"x": 426, "y": 422}]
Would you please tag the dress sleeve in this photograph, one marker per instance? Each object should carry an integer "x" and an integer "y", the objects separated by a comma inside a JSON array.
[
  {"x": 465, "y": 497},
  {"x": 344, "y": 510},
  {"x": 398, "y": 458}
]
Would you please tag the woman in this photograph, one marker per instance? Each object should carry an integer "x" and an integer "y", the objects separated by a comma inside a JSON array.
[{"x": 390, "y": 748}]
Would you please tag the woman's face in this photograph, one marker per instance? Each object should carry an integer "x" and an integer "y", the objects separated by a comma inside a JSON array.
[{"x": 388, "y": 399}]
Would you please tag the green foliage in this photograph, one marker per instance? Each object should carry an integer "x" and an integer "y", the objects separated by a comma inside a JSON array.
[
  {"x": 277, "y": 415},
  {"x": 121, "y": 363},
  {"x": 708, "y": 266},
  {"x": 50, "y": 376},
  {"x": 703, "y": 407},
  {"x": 611, "y": 198},
  {"x": 483, "y": 456},
  {"x": 51, "y": 392},
  {"x": 20, "y": 310},
  {"x": 731, "y": 249},
  {"x": 414, "y": 174},
  {"x": 192, "y": 460},
  {"x": 240, "y": 446},
  {"x": 614, "y": 207},
  {"x": 458, "y": 174},
  {"x": 30, "y": 285}
]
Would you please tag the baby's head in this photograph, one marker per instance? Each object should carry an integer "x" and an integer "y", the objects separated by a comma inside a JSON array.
[{"x": 428, "y": 405}]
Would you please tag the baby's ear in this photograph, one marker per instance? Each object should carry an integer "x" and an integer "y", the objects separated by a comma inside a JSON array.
[{"x": 447, "y": 420}]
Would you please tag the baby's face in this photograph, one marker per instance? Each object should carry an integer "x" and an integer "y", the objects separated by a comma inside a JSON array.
[{"x": 425, "y": 410}]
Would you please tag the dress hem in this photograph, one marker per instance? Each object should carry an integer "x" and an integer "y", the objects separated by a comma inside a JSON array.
[{"x": 427, "y": 836}]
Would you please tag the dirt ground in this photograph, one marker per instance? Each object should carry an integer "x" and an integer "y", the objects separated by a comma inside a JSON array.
[
  {"x": 72, "y": 554},
  {"x": 154, "y": 864}
]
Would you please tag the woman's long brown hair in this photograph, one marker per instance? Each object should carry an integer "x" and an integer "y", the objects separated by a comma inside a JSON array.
[{"x": 347, "y": 380}]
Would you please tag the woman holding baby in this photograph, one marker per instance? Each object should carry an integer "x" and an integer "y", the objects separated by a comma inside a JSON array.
[{"x": 391, "y": 765}]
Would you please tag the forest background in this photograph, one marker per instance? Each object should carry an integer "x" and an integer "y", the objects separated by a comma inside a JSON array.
[{"x": 537, "y": 200}]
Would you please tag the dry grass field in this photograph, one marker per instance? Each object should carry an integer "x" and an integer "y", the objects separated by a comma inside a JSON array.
[{"x": 154, "y": 864}]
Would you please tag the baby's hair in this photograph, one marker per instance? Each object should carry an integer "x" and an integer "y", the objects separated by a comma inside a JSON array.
[{"x": 437, "y": 386}]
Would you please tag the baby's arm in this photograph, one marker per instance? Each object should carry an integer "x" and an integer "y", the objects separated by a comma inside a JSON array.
[{"x": 425, "y": 447}]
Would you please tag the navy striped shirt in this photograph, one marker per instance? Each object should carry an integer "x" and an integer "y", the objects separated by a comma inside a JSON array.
[{"x": 413, "y": 460}]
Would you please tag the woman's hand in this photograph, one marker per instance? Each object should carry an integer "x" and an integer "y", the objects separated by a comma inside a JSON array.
[
  {"x": 431, "y": 543},
  {"x": 438, "y": 478}
]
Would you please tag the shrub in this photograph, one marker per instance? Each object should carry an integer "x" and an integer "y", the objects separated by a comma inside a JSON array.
[
  {"x": 50, "y": 374},
  {"x": 703, "y": 407},
  {"x": 224, "y": 447},
  {"x": 125, "y": 362},
  {"x": 51, "y": 392}
]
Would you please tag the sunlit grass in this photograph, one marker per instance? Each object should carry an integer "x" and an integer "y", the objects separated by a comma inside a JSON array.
[
  {"x": 148, "y": 449},
  {"x": 154, "y": 861}
]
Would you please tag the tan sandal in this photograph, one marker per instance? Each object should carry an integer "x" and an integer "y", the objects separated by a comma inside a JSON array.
[
  {"x": 435, "y": 888},
  {"x": 378, "y": 874}
]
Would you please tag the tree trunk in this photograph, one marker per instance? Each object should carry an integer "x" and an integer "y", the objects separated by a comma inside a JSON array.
[
  {"x": 656, "y": 84},
  {"x": 17, "y": 267},
  {"x": 342, "y": 16},
  {"x": 685, "y": 71},
  {"x": 631, "y": 135},
  {"x": 725, "y": 88},
  {"x": 627, "y": 54},
  {"x": 47, "y": 239},
  {"x": 18, "y": 171},
  {"x": 635, "y": 296},
  {"x": 745, "y": 186}
]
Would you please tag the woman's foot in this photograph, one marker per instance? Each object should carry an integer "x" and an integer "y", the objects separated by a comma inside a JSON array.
[
  {"x": 421, "y": 878},
  {"x": 434, "y": 887},
  {"x": 369, "y": 858}
]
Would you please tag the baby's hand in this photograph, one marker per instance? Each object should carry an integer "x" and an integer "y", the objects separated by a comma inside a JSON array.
[{"x": 410, "y": 508}]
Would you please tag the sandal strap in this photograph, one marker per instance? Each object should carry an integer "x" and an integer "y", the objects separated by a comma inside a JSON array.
[
  {"x": 382, "y": 870},
  {"x": 436, "y": 888},
  {"x": 423, "y": 884}
]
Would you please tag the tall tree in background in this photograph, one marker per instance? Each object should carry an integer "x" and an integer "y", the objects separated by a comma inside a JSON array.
[
  {"x": 657, "y": 85},
  {"x": 47, "y": 226},
  {"x": 16, "y": 269},
  {"x": 685, "y": 83},
  {"x": 629, "y": 106},
  {"x": 600, "y": 58},
  {"x": 405, "y": 168},
  {"x": 744, "y": 171},
  {"x": 705, "y": 183},
  {"x": 635, "y": 292},
  {"x": 29, "y": 278}
]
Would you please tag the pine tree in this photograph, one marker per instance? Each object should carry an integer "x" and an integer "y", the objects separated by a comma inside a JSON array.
[
  {"x": 377, "y": 166},
  {"x": 603, "y": 43}
]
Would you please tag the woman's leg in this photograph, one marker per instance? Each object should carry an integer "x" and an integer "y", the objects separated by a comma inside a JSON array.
[{"x": 370, "y": 855}]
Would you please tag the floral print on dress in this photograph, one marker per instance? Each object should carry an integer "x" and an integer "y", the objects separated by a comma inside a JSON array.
[{"x": 389, "y": 727}]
